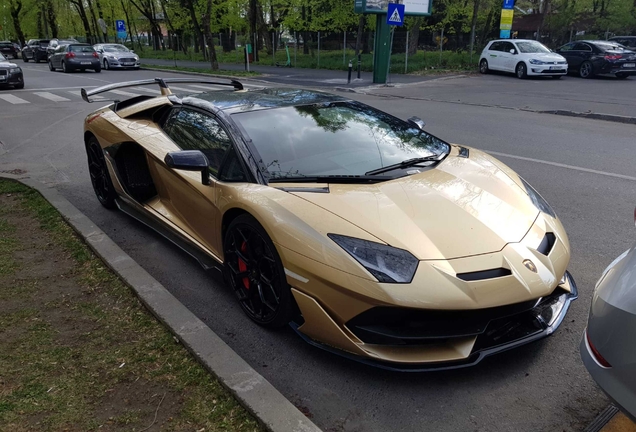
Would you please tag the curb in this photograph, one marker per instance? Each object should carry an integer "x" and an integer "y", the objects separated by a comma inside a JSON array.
[{"x": 252, "y": 390}]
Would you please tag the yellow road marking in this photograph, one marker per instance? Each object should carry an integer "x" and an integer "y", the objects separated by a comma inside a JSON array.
[{"x": 619, "y": 423}]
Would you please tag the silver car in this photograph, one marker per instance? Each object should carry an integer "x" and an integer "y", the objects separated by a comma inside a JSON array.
[
  {"x": 116, "y": 56},
  {"x": 608, "y": 347}
]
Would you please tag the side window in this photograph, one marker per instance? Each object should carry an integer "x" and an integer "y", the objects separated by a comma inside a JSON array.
[
  {"x": 195, "y": 130},
  {"x": 232, "y": 170},
  {"x": 507, "y": 46},
  {"x": 566, "y": 47},
  {"x": 496, "y": 46},
  {"x": 582, "y": 47}
]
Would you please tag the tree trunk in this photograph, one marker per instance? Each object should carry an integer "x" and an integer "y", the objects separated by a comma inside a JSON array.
[
  {"x": 542, "y": 21},
  {"x": 94, "y": 19},
  {"x": 360, "y": 33},
  {"x": 51, "y": 17},
  {"x": 228, "y": 40},
  {"x": 15, "y": 6},
  {"x": 473, "y": 25},
  {"x": 79, "y": 6},
  {"x": 486, "y": 30},
  {"x": 414, "y": 35},
  {"x": 200, "y": 40},
  {"x": 253, "y": 19},
  {"x": 214, "y": 64},
  {"x": 40, "y": 27}
]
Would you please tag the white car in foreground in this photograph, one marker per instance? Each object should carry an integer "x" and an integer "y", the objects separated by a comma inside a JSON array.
[{"x": 523, "y": 57}]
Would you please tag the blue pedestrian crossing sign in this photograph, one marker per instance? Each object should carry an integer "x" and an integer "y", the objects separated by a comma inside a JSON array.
[{"x": 395, "y": 14}]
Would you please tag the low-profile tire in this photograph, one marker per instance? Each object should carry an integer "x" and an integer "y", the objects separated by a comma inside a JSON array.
[
  {"x": 65, "y": 69},
  {"x": 255, "y": 272},
  {"x": 521, "y": 70},
  {"x": 24, "y": 59},
  {"x": 19, "y": 86},
  {"x": 100, "y": 177},
  {"x": 51, "y": 68},
  {"x": 106, "y": 65},
  {"x": 622, "y": 75},
  {"x": 483, "y": 66},
  {"x": 586, "y": 70},
  {"x": 98, "y": 69}
]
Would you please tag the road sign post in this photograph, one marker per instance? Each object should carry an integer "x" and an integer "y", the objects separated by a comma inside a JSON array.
[{"x": 388, "y": 13}]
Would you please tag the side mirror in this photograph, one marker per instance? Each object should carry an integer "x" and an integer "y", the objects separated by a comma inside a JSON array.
[
  {"x": 132, "y": 51},
  {"x": 190, "y": 160},
  {"x": 417, "y": 122},
  {"x": 513, "y": 51}
]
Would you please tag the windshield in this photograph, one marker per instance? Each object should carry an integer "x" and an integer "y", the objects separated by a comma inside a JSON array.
[
  {"x": 6, "y": 45},
  {"x": 2, "y": 58},
  {"x": 343, "y": 138},
  {"x": 532, "y": 47},
  {"x": 115, "y": 48}
]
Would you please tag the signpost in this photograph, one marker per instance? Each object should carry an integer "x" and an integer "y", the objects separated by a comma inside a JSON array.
[
  {"x": 382, "y": 48},
  {"x": 120, "y": 25}
]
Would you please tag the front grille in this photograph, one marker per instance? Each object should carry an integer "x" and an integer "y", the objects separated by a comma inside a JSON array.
[
  {"x": 3, "y": 72},
  {"x": 551, "y": 71},
  {"x": 492, "y": 326},
  {"x": 127, "y": 60},
  {"x": 484, "y": 274}
]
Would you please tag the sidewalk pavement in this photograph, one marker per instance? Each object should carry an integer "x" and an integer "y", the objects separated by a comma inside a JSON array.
[{"x": 297, "y": 76}]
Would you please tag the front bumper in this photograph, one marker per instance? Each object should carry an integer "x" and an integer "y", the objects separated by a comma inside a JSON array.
[
  {"x": 123, "y": 63},
  {"x": 478, "y": 334},
  {"x": 547, "y": 69},
  {"x": 11, "y": 79}
]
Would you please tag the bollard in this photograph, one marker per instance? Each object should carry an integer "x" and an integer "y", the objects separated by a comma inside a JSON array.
[
  {"x": 359, "y": 63},
  {"x": 350, "y": 69}
]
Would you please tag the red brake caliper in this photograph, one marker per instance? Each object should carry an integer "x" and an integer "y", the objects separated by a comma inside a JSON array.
[{"x": 242, "y": 265}]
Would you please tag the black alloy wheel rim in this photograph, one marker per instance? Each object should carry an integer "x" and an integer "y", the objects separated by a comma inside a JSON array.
[
  {"x": 98, "y": 172},
  {"x": 254, "y": 273},
  {"x": 586, "y": 69}
]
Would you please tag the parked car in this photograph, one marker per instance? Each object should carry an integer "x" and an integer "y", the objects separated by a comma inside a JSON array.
[
  {"x": 35, "y": 50},
  {"x": 10, "y": 74},
  {"x": 626, "y": 41},
  {"x": 607, "y": 347},
  {"x": 116, "y": 56},
  {"x": 524, "y": 57},
  {"x": 8, "y": 49},
  {"x": 370, "y": 236},
  {"x": 588, "y": 58},
  {"x": 74, "y": 57},
  {"x": 54, "y": 43}
]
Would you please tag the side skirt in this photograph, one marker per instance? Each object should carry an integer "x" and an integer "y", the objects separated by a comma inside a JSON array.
[{"x": 206, "y": 261}]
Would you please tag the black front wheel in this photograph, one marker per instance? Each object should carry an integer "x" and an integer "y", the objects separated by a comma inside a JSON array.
[
  {"x": 100, "y": 178},
  {"x": 521, "y": 71},
  {"x": 256, "y": 274}
]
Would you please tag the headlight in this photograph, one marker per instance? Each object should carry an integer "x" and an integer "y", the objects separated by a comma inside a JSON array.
[
  {"x": 386, "y": 263},
  {"x": 538, "y": 200},
  {"x": 15, "y": 70},
  {"x": 536, "y": 62}
]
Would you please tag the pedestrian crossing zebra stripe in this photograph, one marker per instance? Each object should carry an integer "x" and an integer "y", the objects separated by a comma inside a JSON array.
[
  {"x": 13, "y": 99},
  {"x": 51, "y": 96}
]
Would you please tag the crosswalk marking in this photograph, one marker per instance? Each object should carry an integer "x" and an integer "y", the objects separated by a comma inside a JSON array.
[
  {"x": 51, "y": 96},
  {"x": 79, "y": 93},
  {"x": 183, "y": 89},
  {"x": 124, "y": 93},
  {"x": 147, "y": 90},
  {"x": 13, "y": 99}
]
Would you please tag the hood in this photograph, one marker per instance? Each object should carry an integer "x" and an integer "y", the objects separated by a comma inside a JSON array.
[
  {"x": 6, "y": 64},
  {"x": 463, "y": 207},
  {"x": 547, "y": 57}
]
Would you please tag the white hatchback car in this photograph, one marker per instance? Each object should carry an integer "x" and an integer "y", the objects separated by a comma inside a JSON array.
[{"x": 524, "y": 57}]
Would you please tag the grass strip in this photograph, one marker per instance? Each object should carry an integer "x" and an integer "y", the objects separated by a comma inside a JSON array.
[{"x": 223, "y": 73}]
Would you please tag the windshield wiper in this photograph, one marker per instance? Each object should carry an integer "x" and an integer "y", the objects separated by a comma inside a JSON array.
[
  {"x": 327, "y": 179},
  {"x": 406, "y": 163}
]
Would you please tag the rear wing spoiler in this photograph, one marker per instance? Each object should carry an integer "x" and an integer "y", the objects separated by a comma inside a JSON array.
[{"x": 162, "y": 82}]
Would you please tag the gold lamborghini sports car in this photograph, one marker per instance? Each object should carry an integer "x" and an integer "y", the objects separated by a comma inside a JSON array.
[{"x": 371, "y": 237}]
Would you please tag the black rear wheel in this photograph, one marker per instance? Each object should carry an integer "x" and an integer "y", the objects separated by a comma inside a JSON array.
[
  {"x": 100, "y": 178},
  {"x": 256, "y": 274},
  {"x": 586, "y": 70},
  {"x": 483, "y": 66}
]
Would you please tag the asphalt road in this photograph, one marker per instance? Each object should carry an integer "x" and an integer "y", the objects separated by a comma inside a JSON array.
[{"x": 542, "y": 386}]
